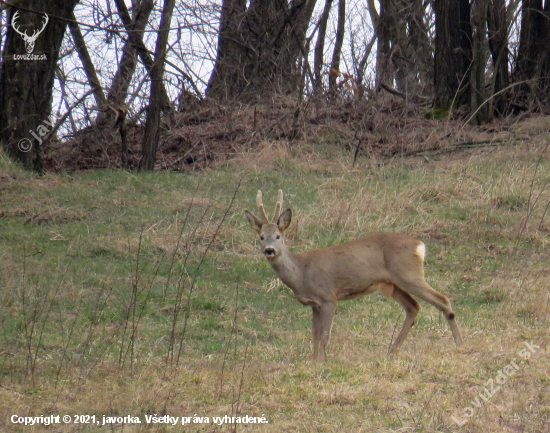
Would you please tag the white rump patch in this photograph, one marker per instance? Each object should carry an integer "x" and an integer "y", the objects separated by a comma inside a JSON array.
[{"x": 421, "y": 250}]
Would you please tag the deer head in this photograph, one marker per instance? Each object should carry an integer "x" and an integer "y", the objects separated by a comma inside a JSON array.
[
  {"x": 271, "y": 233},
  {"x": 29, "y": 40}
]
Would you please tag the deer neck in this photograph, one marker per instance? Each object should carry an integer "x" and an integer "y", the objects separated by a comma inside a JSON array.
[{"x": 288, "y": 268}]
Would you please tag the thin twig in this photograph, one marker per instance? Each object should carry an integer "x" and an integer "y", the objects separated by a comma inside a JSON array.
[
  {"x": 359, "y": 142},
  {"x": 546, "y": 310},
  {"x": 199, "y": 266},
  {"x": 531, "y": 207}
]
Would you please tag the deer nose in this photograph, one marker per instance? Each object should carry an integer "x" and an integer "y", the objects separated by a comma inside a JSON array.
[{"x": 269, "y": 251}]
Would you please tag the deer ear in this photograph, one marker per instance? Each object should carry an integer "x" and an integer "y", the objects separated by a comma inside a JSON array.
[
  {"x": 284, "y": 220},
  {"x": 255, "y": 223}
]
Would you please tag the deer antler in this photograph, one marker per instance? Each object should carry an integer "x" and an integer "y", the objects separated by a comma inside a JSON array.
[
  {"x": 278, "y": 207},
  {"x": 261, "y": 210}
]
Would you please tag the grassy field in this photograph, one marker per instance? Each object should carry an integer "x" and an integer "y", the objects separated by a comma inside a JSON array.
[{"x": 135, "y": 294}]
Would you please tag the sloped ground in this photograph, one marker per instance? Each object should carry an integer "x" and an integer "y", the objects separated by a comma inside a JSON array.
[
  {"x": 211, "y": 133},
  {"x": 96, "y": 265}
]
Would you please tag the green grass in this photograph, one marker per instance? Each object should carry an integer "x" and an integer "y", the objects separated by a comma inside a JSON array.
[{"x": 99, "y": 268}]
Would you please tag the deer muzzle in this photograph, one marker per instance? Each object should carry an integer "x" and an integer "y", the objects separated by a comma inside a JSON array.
[{"x": 269, "y": 252}]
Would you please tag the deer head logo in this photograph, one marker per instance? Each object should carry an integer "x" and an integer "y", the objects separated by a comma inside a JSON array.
[{"x": 29, "y": 40}]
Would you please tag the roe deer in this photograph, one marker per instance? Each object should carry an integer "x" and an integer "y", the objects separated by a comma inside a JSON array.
[{"x": 388, "y": 262}]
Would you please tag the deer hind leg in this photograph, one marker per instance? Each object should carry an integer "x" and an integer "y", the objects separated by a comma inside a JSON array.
[
  {"x": 411, "y": 309},
  {"x": 421, "y": 289},
  {"x": 323, "y": 315}
]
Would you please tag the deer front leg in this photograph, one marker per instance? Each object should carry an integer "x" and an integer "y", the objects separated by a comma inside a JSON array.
[{"x": 323, "y": 314}]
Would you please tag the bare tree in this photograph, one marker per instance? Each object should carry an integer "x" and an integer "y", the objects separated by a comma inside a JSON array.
[
  {"x": 360, "y": 57},
  {"x": 382, "y": 24},
  {"x": 498, "y": 45},
  {"x": 128, "y": 61},
  {"x": 26, "y": 85},
  {"x": 152, "y": 125},
  {"x": 420, "y": 48},
  {"x": 320, "y": 48},
  {"x": 533, "y": 61},
  {"x": 478, "y": 97},
  {"x": 337, "y": 52},
  {"x": 86, "y": 61},
  {"x": 258, "y": 47},
  {"x": 453, "y": 52},
  {"x": 404, "y": 52},
  {"x": 135, "y": 39}
]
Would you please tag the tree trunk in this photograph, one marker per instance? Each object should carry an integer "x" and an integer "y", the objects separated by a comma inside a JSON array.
[
  {"x": 152, "y": 124},
  {"x": 534, "y": 52},
  {"x": 384, "y": 69},
  {"x": 545, "y": 64},
  {"x": 531, "y": 42},
  {"x": 498, "y": 45},
  {"x": 319, "y": 55},
  {"x": 360, "y": 65},
  {"x": 338, "y": 43},
  {"x": 137, "y": 43},
  {"x": 453, "y": 52},
  {"x": 128, "y": 61},
  {"x": 404, "y": 50},
  {"x": 420, "y": 49},
  {"x": 406, "y": 79},
  {"x": 26, "y": 85},
  {"x": 87, "y": 64},
  {"x": 258, "y": 48},
  {"x": 224, "y": 81},
  {"x": 478, "y": 97}
]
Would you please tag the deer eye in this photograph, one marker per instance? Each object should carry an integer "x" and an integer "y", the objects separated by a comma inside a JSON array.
[
  {"x": 278, "y": 236},
  {"x": 262, "y": 238}
]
